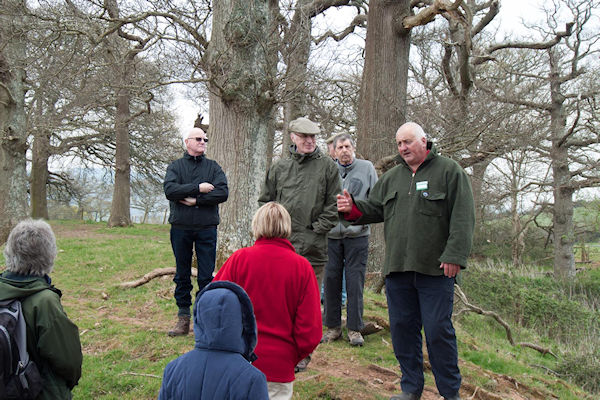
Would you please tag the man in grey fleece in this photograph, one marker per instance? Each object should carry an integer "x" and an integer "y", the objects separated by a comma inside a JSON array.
[{"x": 347, "y": 248}]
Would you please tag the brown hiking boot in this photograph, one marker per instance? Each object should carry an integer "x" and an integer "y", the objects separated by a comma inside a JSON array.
[
  {"x": 355, "y": 338},
  {"x": 332, "y": 334},
  {"x": 182, "y": 327},
  {"x": 301, "y": 366}
]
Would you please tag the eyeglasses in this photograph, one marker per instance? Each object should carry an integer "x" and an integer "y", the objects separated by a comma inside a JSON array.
[
  {"x": 199, "y": 139},
  {"x": 305, "y": 137}
]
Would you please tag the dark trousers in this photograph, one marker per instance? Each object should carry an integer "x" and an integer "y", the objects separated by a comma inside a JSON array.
[
  {"x": 183, "y": 242},
  {"x": 349, "y": 254},
  {"x": 414, "y": 301}
]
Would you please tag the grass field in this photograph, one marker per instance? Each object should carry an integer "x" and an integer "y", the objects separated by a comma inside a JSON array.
[{"x": 123, "y": 331}]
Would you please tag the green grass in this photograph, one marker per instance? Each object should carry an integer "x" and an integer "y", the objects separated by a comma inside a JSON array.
[{"x": 123, "y": 331}]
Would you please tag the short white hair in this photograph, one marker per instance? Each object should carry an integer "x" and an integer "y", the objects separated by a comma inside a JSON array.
[
  {"x": 30, "y": 248},
  {"x": 415, "y": 128}
]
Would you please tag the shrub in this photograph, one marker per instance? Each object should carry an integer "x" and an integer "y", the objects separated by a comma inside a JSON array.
[{"x": 582, "y": 369}]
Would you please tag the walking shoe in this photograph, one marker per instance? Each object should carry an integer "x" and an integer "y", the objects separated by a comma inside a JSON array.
[
  {"x": 301, "y": 366},
  {"x": 355, "y": 338},
  {"x": 406, "y": 396},
  {"x": 332, "y": 334},
  {"x": 182, "y": 327},
  {"x": 456, "y": 397}
]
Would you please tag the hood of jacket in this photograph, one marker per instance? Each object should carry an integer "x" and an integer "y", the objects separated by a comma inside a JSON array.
[
  {"x": 13, "y": 286},
  {"x": 224, "y": 319}
]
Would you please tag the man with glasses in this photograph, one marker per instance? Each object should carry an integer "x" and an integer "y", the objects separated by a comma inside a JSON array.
[
  {"x": 306, "y": 184},
  {"x": 194, "y": 186}
]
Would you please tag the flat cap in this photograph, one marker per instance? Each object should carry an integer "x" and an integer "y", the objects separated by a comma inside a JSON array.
[{"x": 305, "y": 126}]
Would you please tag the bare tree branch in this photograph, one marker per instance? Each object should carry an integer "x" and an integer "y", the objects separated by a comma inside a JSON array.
[
  {"x": 472, "y": 308},
  {"x": 524, "y": 45},
  {"x": 358, "y": 21},
  {"x": 429, "y": 13}
]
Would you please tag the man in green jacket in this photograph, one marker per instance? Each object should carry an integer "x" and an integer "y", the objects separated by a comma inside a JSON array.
[
  {"x": 306, "y": 184},
  {"x": 52, "y": 339},
  {"x": 427, "y": 207}
]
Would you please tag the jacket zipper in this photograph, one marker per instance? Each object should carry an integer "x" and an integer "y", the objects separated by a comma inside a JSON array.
[{"x": 412, "y": 179}]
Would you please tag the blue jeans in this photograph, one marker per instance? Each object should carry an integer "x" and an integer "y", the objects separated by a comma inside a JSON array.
[
  {"x": 183, "y": 242},
  {"x": 418, "y": 301}
]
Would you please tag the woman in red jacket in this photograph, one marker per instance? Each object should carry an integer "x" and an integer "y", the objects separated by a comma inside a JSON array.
[{"x": 283, "y": 289}]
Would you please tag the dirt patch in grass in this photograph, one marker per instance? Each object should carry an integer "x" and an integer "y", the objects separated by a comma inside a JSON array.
[{"x": 386, "y": 382}]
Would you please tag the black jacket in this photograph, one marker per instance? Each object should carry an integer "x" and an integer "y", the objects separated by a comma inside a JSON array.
[{"x": 182, "y": 179}]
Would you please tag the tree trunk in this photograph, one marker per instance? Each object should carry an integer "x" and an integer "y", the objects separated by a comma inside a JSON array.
[
  {"x": 297, "y": 45},
  {"x": 477, "y": 178},
  {"x": 564, "y": 238},
  {"x": 120, "y": 212},
  {"x": 39, "y": 175},
  {"x": 382, "y": 103},
  {"x": 242, "y": 65},
  {"x": 13, "y": 135}
]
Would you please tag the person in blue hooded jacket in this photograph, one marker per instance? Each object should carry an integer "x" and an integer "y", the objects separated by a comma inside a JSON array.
[{"x": 219, "y": 367}]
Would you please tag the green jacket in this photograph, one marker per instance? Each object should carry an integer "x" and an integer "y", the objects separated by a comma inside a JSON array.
[
  {"x": 428, "y": 216},
  {"x": 306, "y": 185},
  {"x": 52, "y": 339}
]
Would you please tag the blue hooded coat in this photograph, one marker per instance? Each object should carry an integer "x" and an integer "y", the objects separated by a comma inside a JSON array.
[{"x": 219, "y": 366}]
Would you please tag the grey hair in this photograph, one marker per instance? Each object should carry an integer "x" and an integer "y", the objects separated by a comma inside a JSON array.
[
  {"x": 341, "y": 137},
  {"x": 30, "y": 248}
]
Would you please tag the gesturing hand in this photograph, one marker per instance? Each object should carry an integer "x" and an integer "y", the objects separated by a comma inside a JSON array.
[{"x": 344, "y": 202}]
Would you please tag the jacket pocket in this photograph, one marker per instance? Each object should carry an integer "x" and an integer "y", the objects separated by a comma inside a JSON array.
[
  {"x": 389, "y": 205},
  {"x": 432, "y": 203}
]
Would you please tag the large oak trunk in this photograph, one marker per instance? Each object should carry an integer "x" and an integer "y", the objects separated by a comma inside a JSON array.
[
  {"x": 13, "y": 136},
  {"x": 382, "y": 103},
  {"x": 241, "y": 66},
  {"x": 119, "y": 212}
]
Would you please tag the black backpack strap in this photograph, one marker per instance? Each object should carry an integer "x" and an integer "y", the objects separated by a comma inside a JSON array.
[{"x": 16, "y": 311}]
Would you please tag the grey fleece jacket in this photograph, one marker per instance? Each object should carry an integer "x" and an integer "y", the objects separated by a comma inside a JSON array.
[{"x": 358, "y": 178}]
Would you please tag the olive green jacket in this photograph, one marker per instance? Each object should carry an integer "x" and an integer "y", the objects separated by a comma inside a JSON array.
[
  {"x": 306, "y": 185},
  {"x": 52, "y": 339},
  {"x": 428, "y": 216}
]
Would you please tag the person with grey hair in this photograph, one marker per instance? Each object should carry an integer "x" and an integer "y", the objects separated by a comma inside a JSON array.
[
  {"x": 348, "y": 249},
  {"x": 195, "y": 186},
  {"x": 306, "y": 184},
  {"x": 52, "y": 338},
  {"x": 427, "y": 207}
]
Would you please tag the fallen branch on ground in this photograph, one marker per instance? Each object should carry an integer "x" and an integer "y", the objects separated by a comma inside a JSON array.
[
  {"x": 151, "y": 275},
  {"x": 138, "y": 374},
  {"x": 478, "y": 310}
]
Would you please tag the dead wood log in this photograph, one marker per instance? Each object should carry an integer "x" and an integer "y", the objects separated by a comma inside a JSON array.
[
  {"x": 478, "y": 310},
  {"x": 158, "y": 272}
]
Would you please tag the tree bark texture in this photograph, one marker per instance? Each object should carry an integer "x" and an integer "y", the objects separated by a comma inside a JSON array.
[
  {"x": 120, "y": 207},
  {"x": 297, "y": 50},
  {"x": 382, "y": 103},
  {"x": 39, "y": 174},
  {"x": 241, "y": 63},
  {"x": 13, "y": 135},
  {"x": 564, "y": 237}
]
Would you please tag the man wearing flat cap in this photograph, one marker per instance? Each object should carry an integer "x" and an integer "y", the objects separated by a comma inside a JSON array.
[{"x": 306, "y": 184}]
